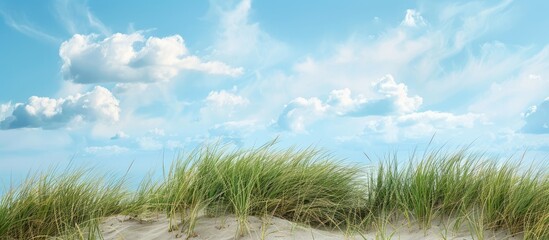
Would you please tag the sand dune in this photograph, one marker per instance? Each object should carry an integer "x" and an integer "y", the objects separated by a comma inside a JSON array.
[{"x": 225, "y": 228}]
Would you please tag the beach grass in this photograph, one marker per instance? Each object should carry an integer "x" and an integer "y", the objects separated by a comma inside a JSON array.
[
  {"x": 48, "y": 204},
  {"x": 304, "y": 185}
]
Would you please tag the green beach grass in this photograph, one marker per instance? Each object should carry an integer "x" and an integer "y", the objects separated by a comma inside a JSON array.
[{"x": 306, "y": 185}]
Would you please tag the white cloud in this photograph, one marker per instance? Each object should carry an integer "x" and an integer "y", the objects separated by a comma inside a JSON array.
[
  {"x": 425, "y": 124},
  {"x": 221, "y": 106},
  {"x": 106, "y": 150},
  {"x": 384, "y": 127},
  {"x": 516, "y": 94},
  {"x": 537, "y": 119},
  {"x": 5, "y": 110},
  {"x": 174, "y": 144},
  {"x": 234, "y": 131},
  {"x": 418, "y": 56},
  {"x": 440, "y": 120},
  {"x": 397, "y": 95},
  {"x": 421, "y": 55},
  {"x": 225, "y": 99},
  {"x": 24, "y": 27},
  {"x": 43, "y": 112},
  {"x": 474, "y": 18},
  {"x": 419, "y": 124},
  {"x": 413, "y": 19},
  {"x": 149, "y": 144},
  {"x": 393, "y": 99},
  {"x": 233, "y": 128},
  {"x": 342, "y": 102},
  {"x": 300, "y": 112},
  {"x": 87, "y": 59},
  {"x": 76, "y": 16},
  {"x": 243, "y": 41},
  {"x": 120, "y": 135},
  {"x": 157, "y": 132}
]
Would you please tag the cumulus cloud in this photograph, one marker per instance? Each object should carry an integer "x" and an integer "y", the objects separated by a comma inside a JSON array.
[
  {"x": 394, "y": 100},
  {"x": 5, "y": 110},
  {"x": 88, "y": 59},
  {"x": 342, "y": 102},
  {"x": 537, "y": 119},
  {"x": 48, "y": 113},
  {"x": 413, "y": 19}
]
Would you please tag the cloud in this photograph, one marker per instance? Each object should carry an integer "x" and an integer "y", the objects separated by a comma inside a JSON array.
[
  {"x": 234, "y": 129},
  {"x": 24, "y": 27},
  {"x": 222, "y": 105},
  {"x": 393, "y": 99},
  {"x": 342, "y": 102},
  {"x": 76, "y": 16},
  {"x": 300, "y": 112},
  {"x": 5, "y": 110},
  {"x": 149, "y": 144},
  {"x": 439, "y": 120},
  {"x": 431, "y": 57},
  {"x": 225, "y": 99},
  {"x": 157, "y": 132},
  {"x": 120, "y": 135},
  {"x": 419, "y": 124},
  {"x": 413, "y": 19},
  {"x": 537, "y": 119},
  {"x": 106, "y": 150},
  {"x": 174, "y": 144},
  {"x": 48, "y": 113},
  {"x": 88, "y": 59},
  {"x": 516, "y": 93},
  {"x": 244, "y": 41}
]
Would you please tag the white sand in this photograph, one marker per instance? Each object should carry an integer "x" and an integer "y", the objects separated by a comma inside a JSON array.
[{"x": 124, "y": 227}]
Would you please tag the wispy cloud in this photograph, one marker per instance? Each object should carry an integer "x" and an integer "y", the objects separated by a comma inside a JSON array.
[
  {"x": 242, "y": 40},
  {"x": 77, "y": 17},
  {"x": 106, "y": 150},
  {"x": 25, "y": 27}
]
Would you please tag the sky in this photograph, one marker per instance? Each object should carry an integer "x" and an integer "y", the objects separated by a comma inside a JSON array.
[{"x": 111, "y": 83}]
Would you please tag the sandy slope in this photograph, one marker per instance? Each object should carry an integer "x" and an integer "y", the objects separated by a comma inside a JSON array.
[{"x": 123, "y": 227}]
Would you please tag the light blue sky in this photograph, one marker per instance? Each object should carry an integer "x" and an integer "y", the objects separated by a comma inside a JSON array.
[{"x": 109, "y": 82}]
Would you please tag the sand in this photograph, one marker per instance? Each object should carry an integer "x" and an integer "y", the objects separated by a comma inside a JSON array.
[{"x": 225, "y": 228}]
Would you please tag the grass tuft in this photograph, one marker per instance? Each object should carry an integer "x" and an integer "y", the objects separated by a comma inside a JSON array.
[{"x": 51, "y": 205}]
